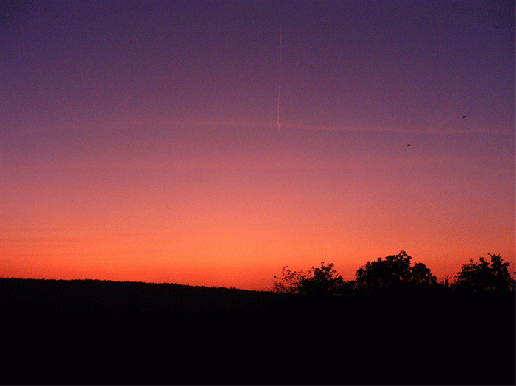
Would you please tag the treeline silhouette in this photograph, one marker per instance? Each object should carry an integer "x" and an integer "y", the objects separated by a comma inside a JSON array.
[
  {"x": 393, "y": 324},
  {"x": 395, "y": 275}
]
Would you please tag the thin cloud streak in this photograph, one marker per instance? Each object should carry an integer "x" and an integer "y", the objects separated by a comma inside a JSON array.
[
  {"x": 458, "y": 126},
  {"x": 363, "y": 162}
]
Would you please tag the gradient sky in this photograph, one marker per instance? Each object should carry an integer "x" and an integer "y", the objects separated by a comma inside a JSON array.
[{"x": 138, "y": 139}]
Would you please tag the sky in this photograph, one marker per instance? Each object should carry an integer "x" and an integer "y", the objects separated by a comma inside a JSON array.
[{"x": 214, "y": 142}]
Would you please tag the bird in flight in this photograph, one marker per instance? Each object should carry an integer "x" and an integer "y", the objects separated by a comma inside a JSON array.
[
  {"x": 408, "y": 144},
  {"x": 464, "y": 116}
]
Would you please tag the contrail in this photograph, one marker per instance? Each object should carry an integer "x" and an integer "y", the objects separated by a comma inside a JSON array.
[{"x": 279, "y": 85}]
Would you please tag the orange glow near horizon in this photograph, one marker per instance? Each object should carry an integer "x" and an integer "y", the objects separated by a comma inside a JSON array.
[{"x": 240, "y": 226}]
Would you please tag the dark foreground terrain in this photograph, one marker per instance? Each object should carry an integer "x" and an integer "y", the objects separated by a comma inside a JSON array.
[{"x": 90, "y": 331}]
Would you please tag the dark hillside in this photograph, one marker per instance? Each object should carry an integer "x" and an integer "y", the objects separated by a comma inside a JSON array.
[{"x": 90, "y": 331}]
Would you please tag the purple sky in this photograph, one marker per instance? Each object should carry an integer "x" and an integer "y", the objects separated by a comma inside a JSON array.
[{"x": 168, "y": 110}]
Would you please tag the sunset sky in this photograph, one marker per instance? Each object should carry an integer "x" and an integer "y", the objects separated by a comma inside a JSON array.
[{"x": 139, "y": 139}]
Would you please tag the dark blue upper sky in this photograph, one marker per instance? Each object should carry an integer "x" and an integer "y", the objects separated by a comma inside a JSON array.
[{"x": 348, "y": 63}]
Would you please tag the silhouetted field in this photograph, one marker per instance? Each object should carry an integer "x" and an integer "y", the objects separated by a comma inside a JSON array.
[{"x": 90, "y": 331}]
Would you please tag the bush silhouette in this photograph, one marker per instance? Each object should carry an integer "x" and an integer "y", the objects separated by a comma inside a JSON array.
[
  {"x": 393, "y": 273},
  {"x": 321, "y": 281},
  {"x": 317, "y": 281},
  {"x": 485, "y": 276},
  {"x": 288, "y": 282}
]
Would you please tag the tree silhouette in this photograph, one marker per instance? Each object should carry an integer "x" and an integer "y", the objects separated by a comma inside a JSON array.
[
  {"x": 321, "y": 281},
  {"x": 317, "y": 281},
  {"x": 393, "y": 273},
  {"x": 485, "y": 276},
  {"x": 288, "y": 282}
]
